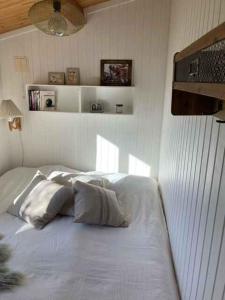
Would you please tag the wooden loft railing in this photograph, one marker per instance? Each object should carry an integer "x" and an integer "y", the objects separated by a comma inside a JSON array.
[
  {"x": 210, "y": 38},
  {"x": 199, "y": 76},
  {"x": 214, "y": 90}
]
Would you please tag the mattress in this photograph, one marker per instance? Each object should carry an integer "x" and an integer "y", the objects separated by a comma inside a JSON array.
[{"x": 68, "y": 261}]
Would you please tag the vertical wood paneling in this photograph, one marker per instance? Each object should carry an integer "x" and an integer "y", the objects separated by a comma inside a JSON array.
[
  {"x": 4, "y": 141},
  {"x": 215, "y": 222},
  {"x": 192, "y": 170},
  {"x": 4, "y": 147},
  {"x": 126, "y": 31}
]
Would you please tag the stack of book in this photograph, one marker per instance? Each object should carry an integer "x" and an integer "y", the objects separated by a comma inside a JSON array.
[{"x": 41, "y": 100}]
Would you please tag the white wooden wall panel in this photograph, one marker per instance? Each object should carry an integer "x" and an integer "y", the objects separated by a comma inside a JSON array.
[
  {"x": 192, "y": 170},
  {"x": 4, "y": 147},
  {"x": 137, "y": 30}
]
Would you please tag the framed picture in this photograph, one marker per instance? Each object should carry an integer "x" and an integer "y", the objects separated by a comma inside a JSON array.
[
  {"x": 116, "y": 72},
  {"x": 73, "y": 76},
  {"x": 56, "y": 78}
]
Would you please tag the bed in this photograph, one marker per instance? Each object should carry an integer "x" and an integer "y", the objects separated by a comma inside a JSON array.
[{"x": 68, "y": 261}]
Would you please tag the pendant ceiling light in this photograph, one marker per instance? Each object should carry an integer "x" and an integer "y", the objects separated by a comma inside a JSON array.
[{"x": 58, "y": 18}]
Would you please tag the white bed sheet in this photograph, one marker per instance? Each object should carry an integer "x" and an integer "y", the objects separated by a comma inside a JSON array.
[{"x": 68, "y": 261}]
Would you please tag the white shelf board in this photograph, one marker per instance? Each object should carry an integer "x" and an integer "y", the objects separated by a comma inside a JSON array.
[
  {"x": 78, "y": 98},
  {"x": 79, "y": 86},
  {"x": 107, "y": 113},
  {"x": 80, "y": 113},
  {"x": 51, "y": 85}
]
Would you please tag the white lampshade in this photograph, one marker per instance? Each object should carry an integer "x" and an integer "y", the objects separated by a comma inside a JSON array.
[{"x": 8, "y": 110}]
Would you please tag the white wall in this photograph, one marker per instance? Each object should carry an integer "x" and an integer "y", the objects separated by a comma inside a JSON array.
[
  {"x": 137, "y": 30},
  {"x": 4, "y": 148},
  {"x": 192, "y": 173}
]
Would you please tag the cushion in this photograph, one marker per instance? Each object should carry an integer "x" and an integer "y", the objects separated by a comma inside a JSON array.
[
  {"x": 44, "y": 202},
  {"x": 91, "y": 179},
  {"x": 68, "y": 208},
  {"x": 96, "y": 205},
  {"x": 63, "y": 178},
  {"x": 14, "y": 207},
  {"x": 69, "y": 179}
]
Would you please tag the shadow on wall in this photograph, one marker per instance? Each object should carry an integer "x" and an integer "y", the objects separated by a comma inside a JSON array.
[{"x": 108, "y": 159}]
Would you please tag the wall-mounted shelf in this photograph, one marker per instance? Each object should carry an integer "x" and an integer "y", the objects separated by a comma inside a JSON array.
[
  {"x": 78, "y": 99},
  {"x": 199, "y": 76}
]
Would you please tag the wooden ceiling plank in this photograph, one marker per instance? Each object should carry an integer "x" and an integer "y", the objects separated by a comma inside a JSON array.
[{"x": 14, "y": 13}]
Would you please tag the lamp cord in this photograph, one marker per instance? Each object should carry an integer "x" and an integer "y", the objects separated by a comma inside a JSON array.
[{"x": 22, "y": 149}]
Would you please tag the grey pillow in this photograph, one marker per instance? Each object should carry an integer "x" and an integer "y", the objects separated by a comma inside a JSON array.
[
  {"x": 63, "y": 178},
  {"x": 68, "y": 207},
  {"x": 69, "y": 179},
  {"x": 44, "y": 202},
  {"x": 14, "y": 207},
  {"x": 96, "y": 205}
]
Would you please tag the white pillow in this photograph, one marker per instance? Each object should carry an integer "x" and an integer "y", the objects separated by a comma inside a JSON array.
[
  {"x": 44, "y": 202},
  {"x": 14, "y": 207}
]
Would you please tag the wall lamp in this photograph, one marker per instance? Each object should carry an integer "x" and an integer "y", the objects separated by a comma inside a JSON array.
[{"x": 9, "y": 111}]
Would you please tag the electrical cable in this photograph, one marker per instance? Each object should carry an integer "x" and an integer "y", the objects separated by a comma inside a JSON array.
[{"x": 22, "y": 149}]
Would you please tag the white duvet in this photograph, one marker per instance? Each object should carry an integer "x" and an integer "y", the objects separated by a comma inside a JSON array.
[{"x": 68, "y": 261}]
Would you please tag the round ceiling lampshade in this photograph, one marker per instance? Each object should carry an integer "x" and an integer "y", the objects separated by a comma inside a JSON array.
[{"x": 57, "y": 18}]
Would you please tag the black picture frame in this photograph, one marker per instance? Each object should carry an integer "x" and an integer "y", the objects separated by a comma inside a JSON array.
[{"x": 116, "y": 72}]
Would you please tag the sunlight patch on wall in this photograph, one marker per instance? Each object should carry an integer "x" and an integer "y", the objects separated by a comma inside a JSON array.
[
  {"x": 138, "y": 167},
  {"x": 107, "y": 159}
]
